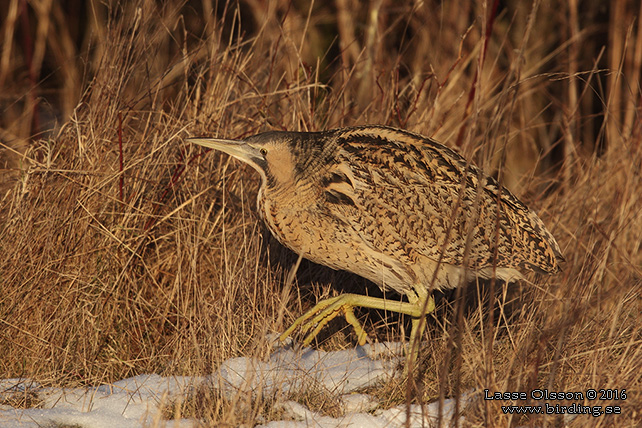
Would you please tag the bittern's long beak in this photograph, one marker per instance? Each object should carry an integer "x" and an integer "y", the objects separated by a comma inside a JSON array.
[{"x": 240, "y": 149}]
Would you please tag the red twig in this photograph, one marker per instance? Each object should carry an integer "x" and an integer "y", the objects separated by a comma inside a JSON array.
[
  {"x": 413, "y": 109},
  {"x": 33, "y": 79},
  {"x": 120, "y": 155},
  {"x": 473, "y": 88}
]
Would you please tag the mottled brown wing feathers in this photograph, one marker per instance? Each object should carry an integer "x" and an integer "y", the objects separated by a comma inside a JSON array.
[{"x": 410, "y": 194}]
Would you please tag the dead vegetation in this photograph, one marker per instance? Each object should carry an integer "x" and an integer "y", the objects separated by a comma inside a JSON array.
[{"x": 126, "y": 251}]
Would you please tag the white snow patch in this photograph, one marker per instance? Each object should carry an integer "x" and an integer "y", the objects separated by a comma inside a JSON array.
[
  {"x": 136, "y": 402},
  {"x": 420, "y": 416},
  {"x": 353, "y": 403},
  {"x": 290, "y": 370},
  {"x": 132, "y": 402}
]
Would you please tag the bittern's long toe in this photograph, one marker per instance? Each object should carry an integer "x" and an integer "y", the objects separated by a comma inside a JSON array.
[{"x": 324, "y": 312}]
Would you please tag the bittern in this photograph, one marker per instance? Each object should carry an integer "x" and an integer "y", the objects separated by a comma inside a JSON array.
[{"x": 397, "y": 208}]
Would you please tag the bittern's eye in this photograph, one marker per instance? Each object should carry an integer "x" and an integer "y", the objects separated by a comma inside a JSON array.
[{"x": 263, "y": 151}]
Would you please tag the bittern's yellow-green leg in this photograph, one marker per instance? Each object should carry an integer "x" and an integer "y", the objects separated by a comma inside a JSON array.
[{"x": 326, "y": 310}]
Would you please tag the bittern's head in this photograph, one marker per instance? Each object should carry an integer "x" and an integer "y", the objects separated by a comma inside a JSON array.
[{"x": 281, "y": 158}]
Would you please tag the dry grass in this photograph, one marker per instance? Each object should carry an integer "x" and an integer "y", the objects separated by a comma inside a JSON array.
[{"x": 126, "y": 251}]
